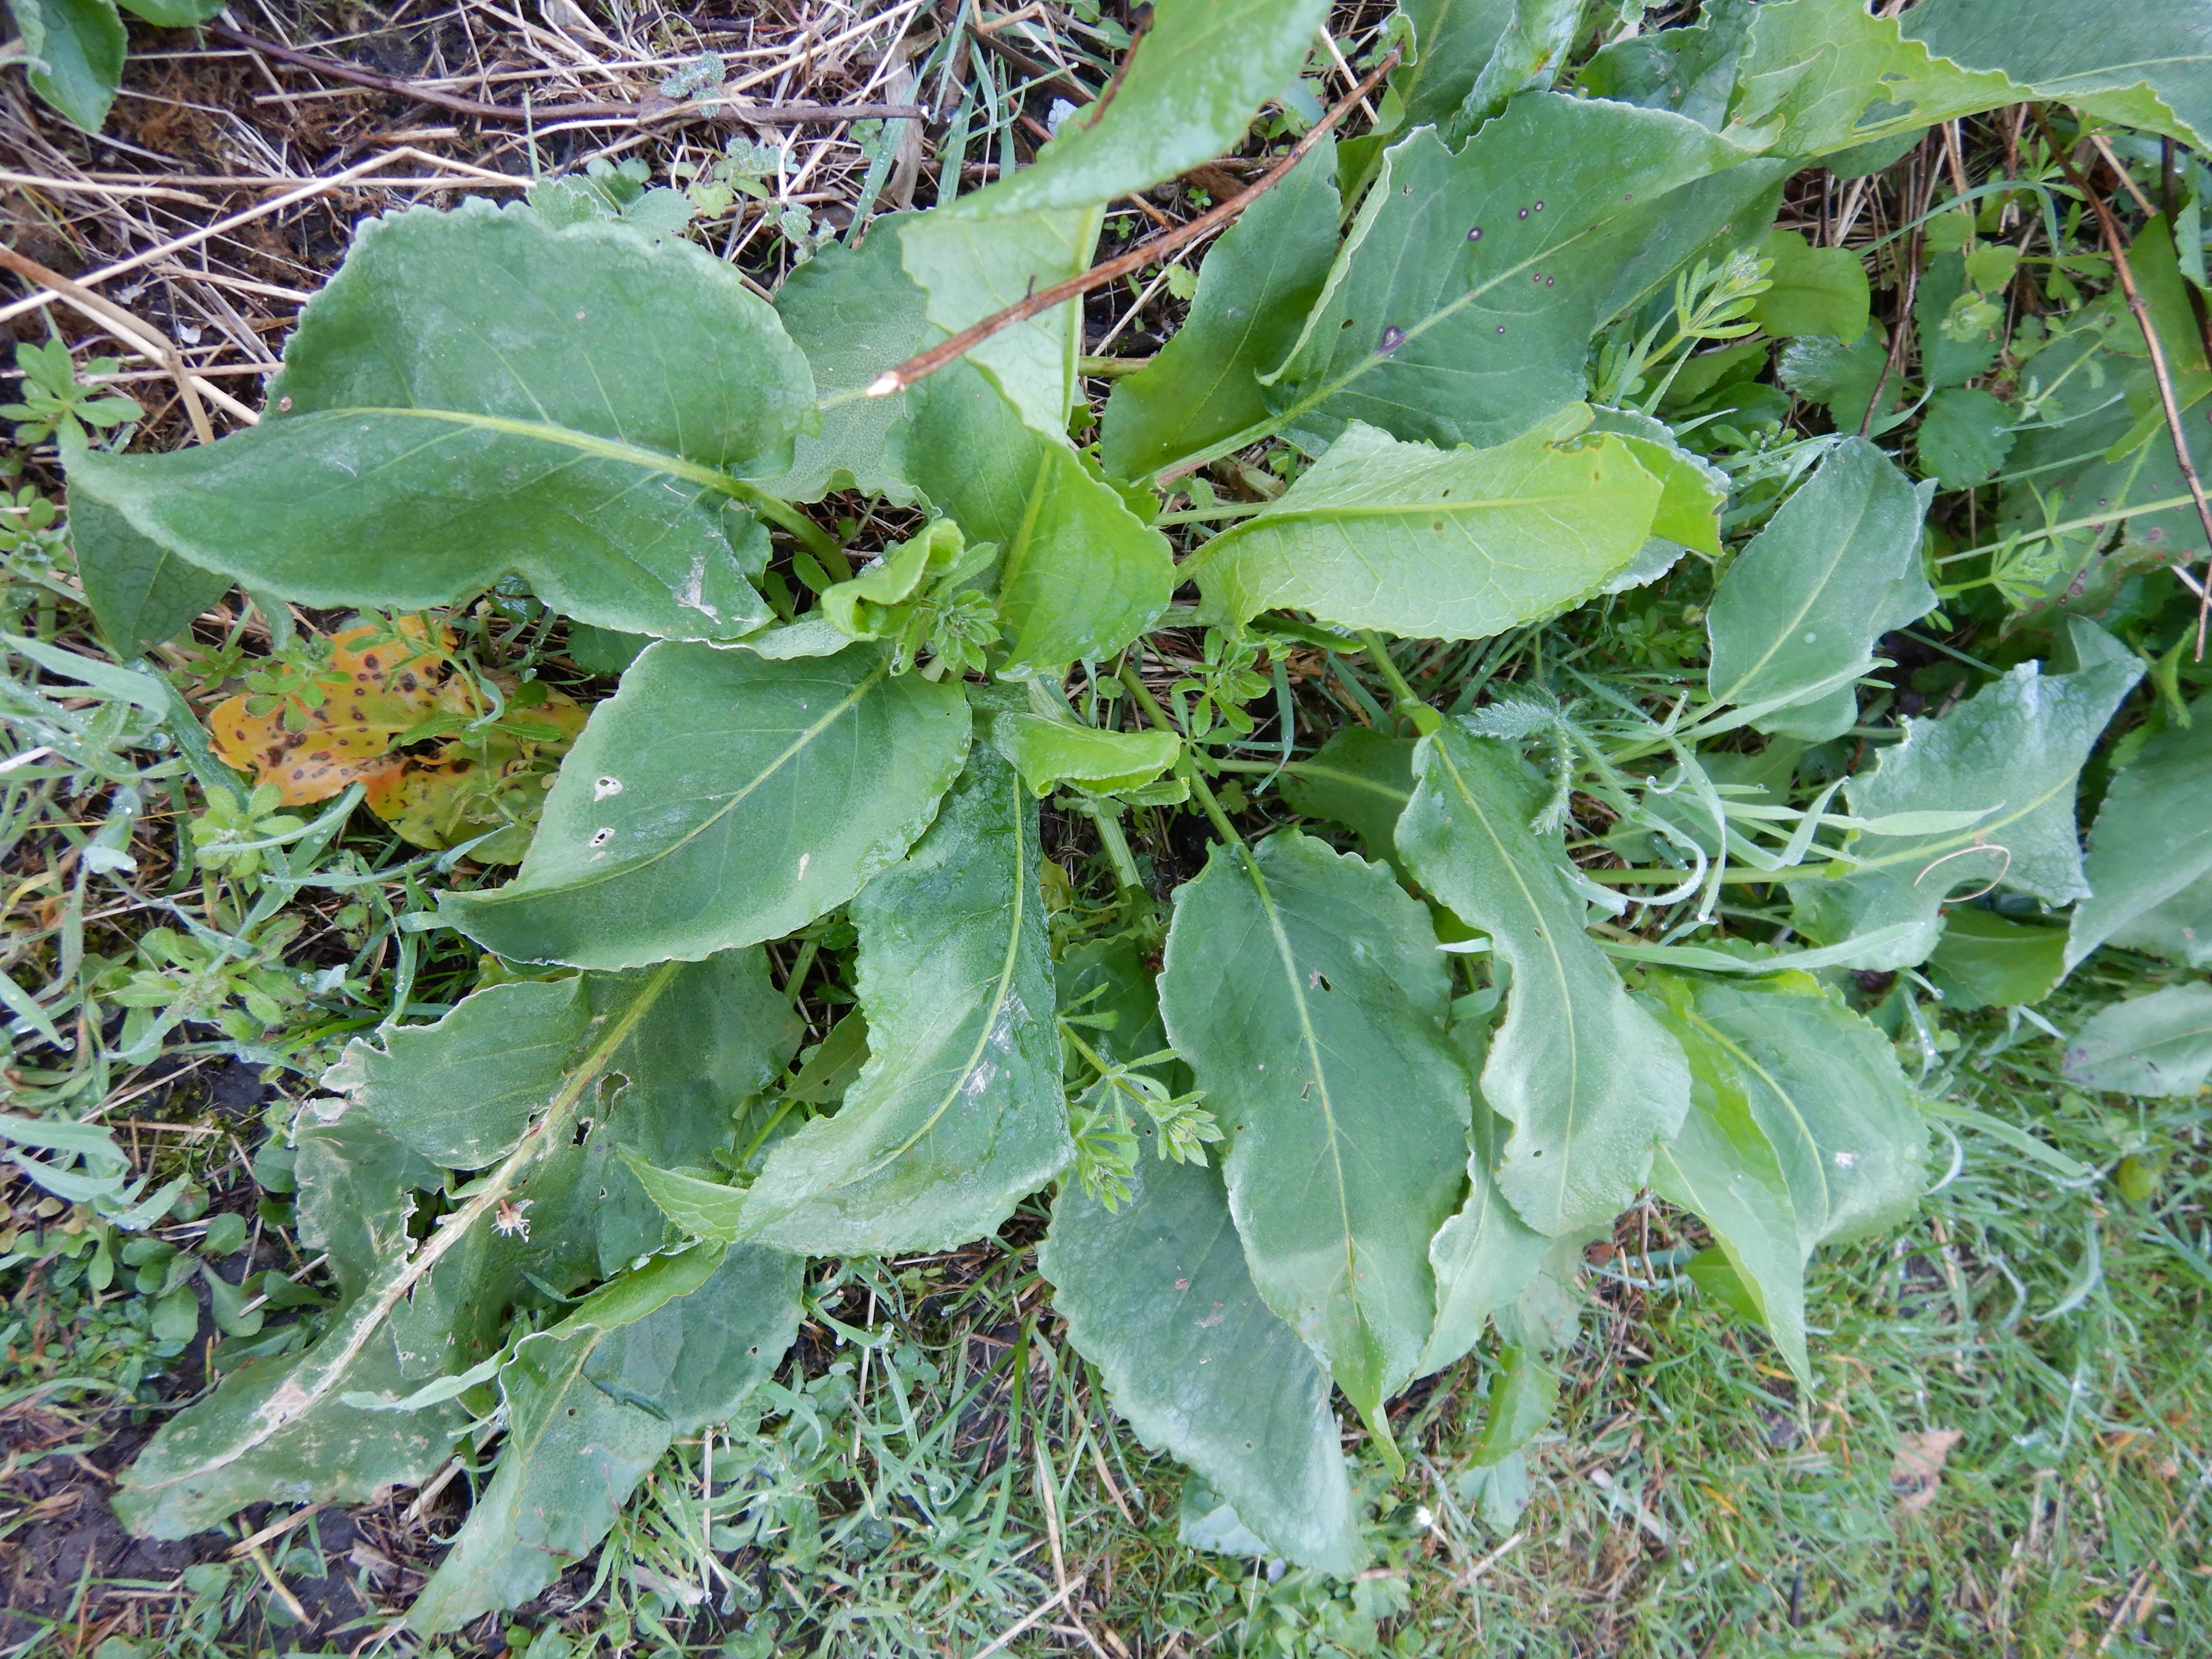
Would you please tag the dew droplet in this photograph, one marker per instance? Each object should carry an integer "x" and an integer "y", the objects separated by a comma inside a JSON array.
[
  {"x": 1475, "y": 235},
  {"x": 1524, "y": 213},
  {"x": 1393, "y": 338},
  {"x": 1501, "y": 328}
]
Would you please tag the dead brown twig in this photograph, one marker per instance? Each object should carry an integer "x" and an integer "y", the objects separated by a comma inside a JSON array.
[
  {"x": 921, "y": 366},
  {"x": 2110, "y": 226},
  {"x": 774, "y": 115}
]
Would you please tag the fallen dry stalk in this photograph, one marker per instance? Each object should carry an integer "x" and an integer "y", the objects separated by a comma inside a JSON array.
[{"x": 943, "y": 354}]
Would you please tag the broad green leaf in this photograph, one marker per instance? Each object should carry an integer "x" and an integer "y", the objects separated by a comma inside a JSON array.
[
  {"x": 1157, "y": 1295},
  {"x": 1589, "y": 1080},
  {"x": 2013, "y": 749},
  {"x": 1843, "y": 377},
  {"x": 1254, "y": 287},
  {"x": 1079, "y": 575},
  {"x": 1535, "y": 46},
  {"x": 1459, "y": 544},
  {"x": 2153, "y": 838},
  {"x": 854, "y": 314},
  {"x": 1964, "y": 437},
  {"x": 173, "y": 14},
  {"x": 1690, "y": 70},
  {"x": 591, "y": 1405},
  {"x": 699, "y": 1205},
  {"x": 461, "y": 1092},
  {"x": 1485, "y": 1255},
  {"x": 73, "y": 53},
  {"x": 357, "y": 1188},
  {"x": 1461, "y": 307},
  {"x": 475, "y": 393},
  {"x": 2155, "y": 1045},
  {"x": 1523, "y": 1395},
  {"x": 719, "y": 799},
  {"x": 1796, "y": 617},
  {"x": 1817, "y": 290},
  {"x": 412, "y": 1311},
  {"x": 1825, "y": 1087},
  {"x": 140, "y": 593},
  {"x": 958, "y": 1112},
  {"x": 1193, "y": 84},
  {"x": 1945, "y": 361},
  {"x": 1985, "y": 961},
  {"x": 1692, "y": 492},
  {"x": 2179, "y": 928},
  {"x": 1721, "y": 1167},
  {"x": 1820, "y": 75},
  {"x": 1359, "y": 777},
  {"x": 2142, "y": 63},
  {"x": 970, "y": 266},
  {"x": 1048, "y": 753},
  {"x": 1303, "y": 988}
]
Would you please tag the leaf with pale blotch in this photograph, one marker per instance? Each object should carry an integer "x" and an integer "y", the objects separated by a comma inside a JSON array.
[
  {"x": 1050, "y": 752},
  {"x": 2159, "y": 1045},
  {"x": 854, "y": 314},
  {"x": 475, "y": 393},
  {"x": 1588, "y": 1079},
  {"x": 1254, "y": 288},
  {"x": 2153, "y": 838},
  {"x": 1303, "y": 988},
  {"x": 958, "y": 1112},
  {"x": 1458, "y": 543},
  {"x": 971, "y": 266},
  {"x": 1157, "y": 1295},
  {"x": 1795, "y": 620},
  {"x": 1191, "y": 84},
  {"x": 2014, "y": 752},
  {"x": 1461, "y": 307},
  {"x": 591, "y": 1405},
  {"x": 1079, "y": 575},
  {"x": 141, "y": 594},
  {"x": 719, "y": 799}
]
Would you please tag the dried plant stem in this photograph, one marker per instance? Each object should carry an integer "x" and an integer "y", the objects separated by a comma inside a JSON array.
[
  {"x": 2110, "y": 228},
  {"x": 921, "y": 366}
]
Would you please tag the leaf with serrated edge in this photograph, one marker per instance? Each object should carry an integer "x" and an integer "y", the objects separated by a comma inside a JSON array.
[
  {"x": 1305, "y": 989},
  {"x": 2013, "y": 749},
  {"x": 1254, "y": 288},
  {"x": 477, "y": 392},
  {"x": 593, "y": 1403},
  {"x": 1079, "y": 575},
  {"x": 140, "y": 593},
  {"x": 2155, "y": 1045},
  {"x": 1157, "y": 1295},
  {"x": 2153, "y": 838},
  {"x": 1588, "y": 1079},
  {"x": 1432, "y": 332},
  {"x": 1803, "y": 605},
  {"x": 1458, "y": 543},
  {"x": 958, "y": 1111},
  {"x": 719, "y": 799}
]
